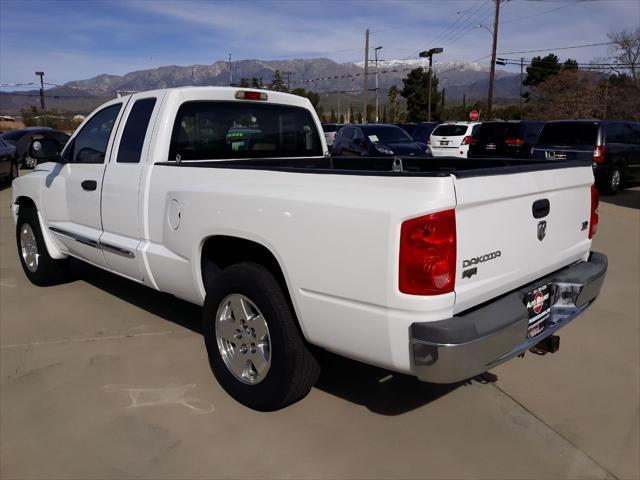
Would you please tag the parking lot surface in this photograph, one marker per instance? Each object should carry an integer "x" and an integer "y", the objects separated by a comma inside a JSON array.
[{"x": 103, "y": 378}]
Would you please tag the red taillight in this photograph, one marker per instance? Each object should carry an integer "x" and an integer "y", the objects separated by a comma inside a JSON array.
[
  {"x": 598, "y": 154},
  {"x": 593, "y": 221},
  {"x": 514, "y": 142},
  {"x": 468, "y": 140},
  {"x": 249, "y": 95},
  {"x": 428, "y": 254}
]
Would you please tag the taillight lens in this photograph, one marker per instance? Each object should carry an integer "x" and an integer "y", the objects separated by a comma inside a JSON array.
[
  {"x": 514, "y": 141},
  {"x": 428, "y": 254},
  {"x": 598, "y": 154},
  {"x": 593, "y": 221},
  {"x": 468, "y": 140}
]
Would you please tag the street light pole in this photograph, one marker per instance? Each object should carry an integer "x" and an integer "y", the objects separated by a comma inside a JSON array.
[
  {"x": 41, "y": 75},
  {"x": 377, "y": 86},
  {"x": 429, "y": 54},
  {"x": 230, "y": 72}
]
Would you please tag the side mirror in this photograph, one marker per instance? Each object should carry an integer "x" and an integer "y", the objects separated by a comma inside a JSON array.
[{"x": 45, "y": 150}]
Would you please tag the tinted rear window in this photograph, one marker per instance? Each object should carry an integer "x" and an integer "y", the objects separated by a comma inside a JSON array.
[
  {"x": 450, "y": 130},
  {"x": 488, "y": 130},
  {"x": 330, "y": 128},
  {"x": 223, "y": 130},
  {"x": 569, "y": 133},
  {"x": 14, "y": 135}
]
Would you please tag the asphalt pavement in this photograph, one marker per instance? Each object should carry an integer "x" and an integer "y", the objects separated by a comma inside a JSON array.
[{"x": 103, "y": 378}]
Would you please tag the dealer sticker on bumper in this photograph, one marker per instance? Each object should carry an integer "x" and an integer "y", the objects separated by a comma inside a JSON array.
[{"x": 538, "y": 303}]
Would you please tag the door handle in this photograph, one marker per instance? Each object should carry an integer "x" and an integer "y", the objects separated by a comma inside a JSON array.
[
  {"x": 540, "y": 208},
  {"x": 89, "y": 185}
]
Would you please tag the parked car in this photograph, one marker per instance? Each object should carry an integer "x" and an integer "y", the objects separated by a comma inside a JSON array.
[
  {"x": 22, "y": 138},
  {"x": 512, "y": 139},
  {"x": 330, "y": 130},
  {"x": 417, "y": 267},
  {"x": 8, "y": 161},
  {"x": 376, "y": 140},
  {"x": 452, "y": 139},
  {"x": 611, "y": 146},
  {"x": 422, "y": 131}
]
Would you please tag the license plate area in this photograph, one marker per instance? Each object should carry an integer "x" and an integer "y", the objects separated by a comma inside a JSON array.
[
  {"x": 444, "y": 142},
  {"x": 538, "y": 303}
]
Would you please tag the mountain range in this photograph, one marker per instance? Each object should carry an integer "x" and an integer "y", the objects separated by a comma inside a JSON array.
[{"x": 321, "y": 75}]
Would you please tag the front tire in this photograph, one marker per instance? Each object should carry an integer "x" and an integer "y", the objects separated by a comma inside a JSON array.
[
  {"x": 38, "y": 266},
  {"x": 29, "y": 162},
  {"x": 255, "y": 349}
]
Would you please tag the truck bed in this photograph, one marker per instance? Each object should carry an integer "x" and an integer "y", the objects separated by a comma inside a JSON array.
[{"x": 386, "y": 166}]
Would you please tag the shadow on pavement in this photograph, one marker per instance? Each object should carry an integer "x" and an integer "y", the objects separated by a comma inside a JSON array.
[
  {"x": 380, "y": 391},
  {"x": 163, "y": 305},
  {"x": 626, "y": 198}
]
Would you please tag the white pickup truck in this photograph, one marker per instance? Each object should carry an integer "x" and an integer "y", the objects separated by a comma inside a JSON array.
[{"x": 439, "y": 268}]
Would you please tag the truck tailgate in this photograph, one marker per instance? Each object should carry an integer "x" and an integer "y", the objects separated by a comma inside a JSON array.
[{"x": 499, "y": 235}]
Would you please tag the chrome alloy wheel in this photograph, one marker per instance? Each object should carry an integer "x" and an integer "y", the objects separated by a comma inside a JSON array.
[
  {"x": 29, "y": 247},
  {"x": 616, "y": 178},
  {"x": 243, "y": 339},
  {"x": 30, "y": 162}
]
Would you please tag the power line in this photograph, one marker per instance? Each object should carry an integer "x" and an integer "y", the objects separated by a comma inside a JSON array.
[{"x": 557, "y": 48}]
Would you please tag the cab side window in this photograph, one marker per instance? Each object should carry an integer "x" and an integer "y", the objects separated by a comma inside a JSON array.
[
  {"x": 90, "y": 145},
  {"x": 135, "y": 131}
]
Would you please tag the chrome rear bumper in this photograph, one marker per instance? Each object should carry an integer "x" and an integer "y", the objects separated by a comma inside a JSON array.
[{"x": 466, "y": 345}]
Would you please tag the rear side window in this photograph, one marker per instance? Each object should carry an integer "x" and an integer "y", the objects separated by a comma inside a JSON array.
[
  {"x": 618, "y": 133},
  {"x": 450, "y": 130},
  {"x": 635, "y": 129},
  {"x": 225, "y": 130},
  {"x": 569, "y": 133},
  {"x": 135, "y": 131}
]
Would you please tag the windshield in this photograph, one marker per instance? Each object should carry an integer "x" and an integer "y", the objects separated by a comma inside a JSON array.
[
  {"x": 569, "y": 133},
  {"x": 387, "y": 134},
  {"x": 224, "y": 130}
]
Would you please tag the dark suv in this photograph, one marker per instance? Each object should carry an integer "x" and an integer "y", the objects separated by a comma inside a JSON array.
[
  {"x": 505, "y": 139},
  {"x": 612, "y": 146}
]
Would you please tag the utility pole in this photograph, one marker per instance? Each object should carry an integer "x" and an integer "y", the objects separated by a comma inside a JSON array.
[
  {"x": 339, "y": 110},
  {"x": 366, "y": 76},
  {"x": 493, "y": 60},
  {"x": 429, "y": 54},
  {"x": 464, "y": 102},
  {"x": 230, "y": 72},
  {"x": 521, "y": 80},
  {"x": 288, "y": 74},
  {"x": 443, "y": 91},
  {"x": 41, "y": 75},
  {"x": 377, "y": 87}
]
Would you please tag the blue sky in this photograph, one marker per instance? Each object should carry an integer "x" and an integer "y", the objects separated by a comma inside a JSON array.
[{"x": 73, "y": 40}]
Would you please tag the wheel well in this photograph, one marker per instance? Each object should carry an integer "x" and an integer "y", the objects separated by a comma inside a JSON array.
[
  {"x": 221, "y": 251},
  {"x": 25, "y": 202}
]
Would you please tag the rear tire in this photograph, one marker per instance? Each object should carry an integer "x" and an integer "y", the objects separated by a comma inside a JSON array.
[
  {"x": 264, "y": 369},
  {"x": 38, "y": 266},
  {"x": 613, "y": 181}
]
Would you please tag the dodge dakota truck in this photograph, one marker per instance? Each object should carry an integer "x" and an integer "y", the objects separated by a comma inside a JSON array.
[{"x": 440, "y": 268}]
